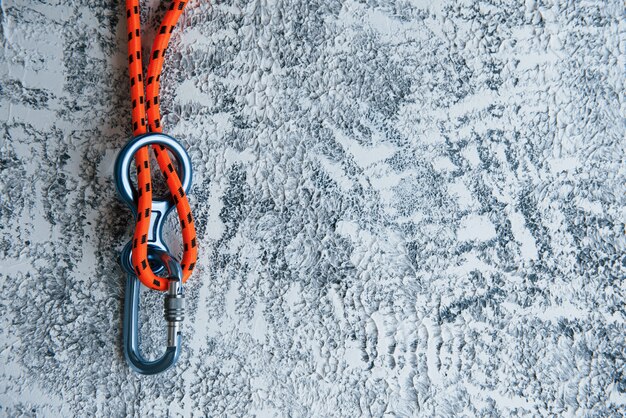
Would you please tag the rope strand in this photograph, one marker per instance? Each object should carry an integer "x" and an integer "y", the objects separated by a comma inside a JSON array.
[{"x": 150, "y": 103}]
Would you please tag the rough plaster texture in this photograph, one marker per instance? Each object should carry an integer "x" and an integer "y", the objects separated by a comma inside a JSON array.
[{"x": 405, "y": 208}]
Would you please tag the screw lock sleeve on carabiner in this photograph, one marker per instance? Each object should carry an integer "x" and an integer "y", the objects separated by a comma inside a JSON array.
[{"x": 174, "y": 311}]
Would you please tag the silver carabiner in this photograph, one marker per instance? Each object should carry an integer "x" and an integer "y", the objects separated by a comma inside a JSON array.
[
  {"x": 158, "y": 256},
  {"x": 174, "y": 310}
]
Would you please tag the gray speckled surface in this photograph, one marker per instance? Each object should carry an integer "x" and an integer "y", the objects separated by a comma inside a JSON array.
[{"x": 405, "y": 208}]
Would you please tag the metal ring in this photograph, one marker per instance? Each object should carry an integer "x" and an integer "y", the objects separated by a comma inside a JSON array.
[{"x": 125, "y": 158}]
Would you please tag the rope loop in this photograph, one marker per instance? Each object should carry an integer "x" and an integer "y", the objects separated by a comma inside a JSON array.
[{"x": 146, "y": 114}]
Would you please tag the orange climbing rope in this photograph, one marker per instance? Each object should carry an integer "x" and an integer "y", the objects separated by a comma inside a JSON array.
[{"x": 146, "y": 112}]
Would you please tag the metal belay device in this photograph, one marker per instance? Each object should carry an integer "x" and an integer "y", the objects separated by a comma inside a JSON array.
[{"x": 159, "y": 257}]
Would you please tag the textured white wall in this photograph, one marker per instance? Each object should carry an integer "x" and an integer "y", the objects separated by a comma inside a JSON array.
[{"x": 405, "y": 208}]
